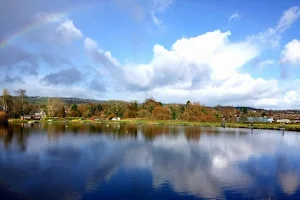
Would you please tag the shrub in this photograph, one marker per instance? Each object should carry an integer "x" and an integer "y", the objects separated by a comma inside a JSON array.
[{"x": 3, "y": 117}]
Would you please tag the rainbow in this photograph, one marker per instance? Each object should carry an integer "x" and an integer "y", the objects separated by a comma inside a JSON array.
[{"x": 40, "y": 20}]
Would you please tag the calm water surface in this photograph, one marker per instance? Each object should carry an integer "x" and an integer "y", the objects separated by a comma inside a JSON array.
[{"x": 147, "y": 162}]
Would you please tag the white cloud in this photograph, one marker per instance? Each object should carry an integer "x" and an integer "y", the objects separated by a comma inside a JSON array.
[
  {"x": 68, "y": 31},
  {"x": 161, "y": 5},
  {"x": 273, "y": 35},
  {"x": 98, "y": 55},
  {"x": 155, "y": 19},
  {"x": 288, "y": 18},
  {"x": 234, "y": 16},
  {"x": 265, "y": 63},
  {"x": 34, "y": 87},
  {"x": 204, "y": 68},
  {"x": 208, "y": 68},
  {"x": 291, "y": 53}
]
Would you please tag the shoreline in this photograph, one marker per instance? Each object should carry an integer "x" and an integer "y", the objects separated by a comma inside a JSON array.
[{"x": 266, "y": 126}]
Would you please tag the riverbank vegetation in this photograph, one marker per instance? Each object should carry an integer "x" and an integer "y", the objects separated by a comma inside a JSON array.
[{"x": 19, "y": 110}]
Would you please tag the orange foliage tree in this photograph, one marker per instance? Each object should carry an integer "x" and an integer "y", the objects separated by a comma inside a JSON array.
[
  {"x": 161, "y": 113},
  {"x": 3, "y": 117},
  {"x": 196, "y": 112}
]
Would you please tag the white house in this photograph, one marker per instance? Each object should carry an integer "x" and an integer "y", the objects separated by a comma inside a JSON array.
[
  {"x": 116, "y": 118},
  {"x": 286, "y": 121}
]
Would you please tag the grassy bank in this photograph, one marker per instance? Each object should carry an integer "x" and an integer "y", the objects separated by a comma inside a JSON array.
[{"x": 273, "y": 126}]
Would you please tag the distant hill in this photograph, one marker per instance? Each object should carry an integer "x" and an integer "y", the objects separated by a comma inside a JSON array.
[
  {"x": 248, "y": 108},
  {"x": 69, "y": 100}
]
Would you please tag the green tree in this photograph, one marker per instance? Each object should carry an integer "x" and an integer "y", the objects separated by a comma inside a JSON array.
[
  {"x": 143, "y": 113},
  {"x": 74, "y": 112},
  {"x": 118, "y": 109}
]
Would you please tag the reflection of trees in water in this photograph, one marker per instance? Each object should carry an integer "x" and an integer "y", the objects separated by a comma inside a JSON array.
[
  {"x": 192, "y": 133},
  {"x": 18, "y": 132},
  {"x": 150, "y": 132},
  {"x": 6, "y": 133},
  {"x": 117, "y": 131}
]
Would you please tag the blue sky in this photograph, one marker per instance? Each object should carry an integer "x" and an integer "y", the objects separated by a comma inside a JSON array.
[{"x": 240, "y": 53}]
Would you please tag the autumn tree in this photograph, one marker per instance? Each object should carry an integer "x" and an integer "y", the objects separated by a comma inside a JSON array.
[
  {"x": 56, "y": 108},
  {"x": 3, "y": 117},
  {"x": 161, "y": 113},
  {"x": 143, "y": 113},
  {"x": 176, "y": 111},
  {"x": 73, "y": 111},
  {"x": 243, "y": 114},
  {"x": 131, "y": 111},
  {"x": 196, "y": 112},
  {"x": 99, "y": 110},
  {"x": 84, "y": 110},
  {"x": 150, "y": 104},
  {"x": 228, "y": 112},
  {"x": 116, "y": 108}
]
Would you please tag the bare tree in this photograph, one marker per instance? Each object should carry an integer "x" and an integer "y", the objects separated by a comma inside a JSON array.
[
  {"x": 22, "y": 95},
  {"x": 56, "y": 108},
  {"x": 5, "y": 101}
]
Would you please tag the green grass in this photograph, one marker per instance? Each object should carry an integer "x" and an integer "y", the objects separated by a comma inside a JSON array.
[{"x": 273, "y": 126}]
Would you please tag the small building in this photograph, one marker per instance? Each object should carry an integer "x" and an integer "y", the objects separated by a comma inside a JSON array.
[
  {"x": 257, "y": 120},
  {"x": 39, "y": 115},
  {"x": 27, "y": 117},
  {"x": 116, "y": 118},
  {"x": 260, "y": 119},
  {"x": 286, "y": 121},
  {"x": 34, "y": 115}
]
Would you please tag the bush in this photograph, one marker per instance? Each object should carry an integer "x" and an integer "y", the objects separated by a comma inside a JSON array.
[{"x": 3, "y": 117}]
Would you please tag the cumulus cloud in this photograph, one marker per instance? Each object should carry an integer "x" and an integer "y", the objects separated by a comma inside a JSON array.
[
  {"x": 291, "y": 53},
  {"x": 204, "y": 68},
  {"x": 98, "y": 55},
  {"x": 68, "y": 31},
  {"x": 64, "y": 77},
  {"x": 273, "y": 35},
  {"x": 208, "y": 67}
]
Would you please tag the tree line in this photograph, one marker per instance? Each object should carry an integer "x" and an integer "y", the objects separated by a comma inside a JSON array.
[{"x": 17, "y": 106}]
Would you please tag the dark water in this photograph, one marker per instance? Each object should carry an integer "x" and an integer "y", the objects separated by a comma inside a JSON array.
[{"x": 147, "y": 162}]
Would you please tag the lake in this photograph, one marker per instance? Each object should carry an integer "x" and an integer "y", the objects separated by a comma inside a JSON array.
[{"x": 100, "y": 161}]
